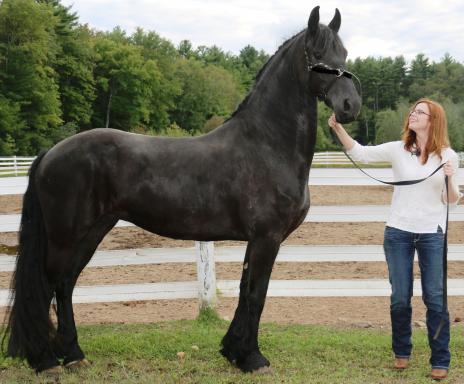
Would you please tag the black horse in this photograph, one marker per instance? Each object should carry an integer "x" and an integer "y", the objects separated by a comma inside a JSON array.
[{"x": 246, "y": 180}]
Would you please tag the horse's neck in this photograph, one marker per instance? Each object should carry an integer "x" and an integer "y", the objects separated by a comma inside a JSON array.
[{"x": 282, "y": 113}]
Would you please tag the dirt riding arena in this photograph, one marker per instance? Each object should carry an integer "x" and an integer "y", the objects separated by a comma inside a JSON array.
[{"x": 334, "y": 311}]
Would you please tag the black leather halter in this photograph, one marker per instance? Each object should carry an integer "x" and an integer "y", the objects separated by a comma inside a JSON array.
[{"x": 338, "y": 72}]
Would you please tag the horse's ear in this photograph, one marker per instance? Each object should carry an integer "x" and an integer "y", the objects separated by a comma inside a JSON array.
[
  {"x": 313, "y": 22},
  {"x": 334, "y": 25}
]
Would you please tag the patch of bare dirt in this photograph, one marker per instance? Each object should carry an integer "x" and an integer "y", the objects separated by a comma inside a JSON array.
[{"x": 10, "y": 204}]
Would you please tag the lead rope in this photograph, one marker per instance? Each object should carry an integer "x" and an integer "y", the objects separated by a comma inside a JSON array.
[
  {"x": 444, "y": 312},
  {"x": 445, "y": 239}
]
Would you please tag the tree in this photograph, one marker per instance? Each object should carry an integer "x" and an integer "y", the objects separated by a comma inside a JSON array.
[
  {"x": 206, "y": 91},
  {"x": 382, "y": 80},
  {"x": 389, "y": 123},
  {"x": 74, "y": 66},
  {"x": 28, "y": 80},
  {"x": 185, "y": 49},
  {"x": 164, "y": 54},
  {"x": 455, "y": 119},
  {"x": 421, "y": 70},
  {"x": 448, "y": 78},
  {"x": 10, "y": 124},
  {"x": 211, "y": 55},
  {"x": 125, "y": 84},
  {"x": 250, "y": 61}
]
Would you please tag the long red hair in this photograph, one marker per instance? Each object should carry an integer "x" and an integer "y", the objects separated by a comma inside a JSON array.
[{"x": 438, "y": 134}]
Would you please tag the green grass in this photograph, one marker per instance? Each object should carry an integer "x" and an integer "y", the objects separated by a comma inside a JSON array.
[
  {"x": 13, "y": 175},
  {"x": 298, "y": 354},
  {"x": 8, "y": 249}
]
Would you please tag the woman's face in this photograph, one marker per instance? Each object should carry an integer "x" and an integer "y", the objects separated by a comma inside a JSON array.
[{"x": 419, "y": 119}]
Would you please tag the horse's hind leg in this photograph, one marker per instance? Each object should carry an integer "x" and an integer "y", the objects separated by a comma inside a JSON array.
[
  {"x": 240, "y": 344},
  {"x": 66, "y": 342}
]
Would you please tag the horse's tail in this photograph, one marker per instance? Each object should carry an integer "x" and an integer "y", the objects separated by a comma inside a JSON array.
[{"x": 30, "y": 328}]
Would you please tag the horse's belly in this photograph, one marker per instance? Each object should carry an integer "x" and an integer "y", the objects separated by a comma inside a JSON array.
[{"x": 179, "y": 222}]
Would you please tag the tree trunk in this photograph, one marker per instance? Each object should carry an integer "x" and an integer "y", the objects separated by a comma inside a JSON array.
[{"x": 108, "y": 109}]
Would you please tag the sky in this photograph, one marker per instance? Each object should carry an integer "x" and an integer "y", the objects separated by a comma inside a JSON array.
[{"x": 377, "y": 28}]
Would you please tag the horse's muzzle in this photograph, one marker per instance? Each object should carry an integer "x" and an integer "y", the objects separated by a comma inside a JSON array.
[{"x": 345, "y": 118}]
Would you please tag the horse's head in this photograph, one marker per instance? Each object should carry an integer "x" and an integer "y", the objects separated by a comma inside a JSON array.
[{"x": 325, "y": 60}]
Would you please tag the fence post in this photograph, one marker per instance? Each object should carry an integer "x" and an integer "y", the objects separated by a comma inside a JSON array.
[
  {"x": 15, "y": 165},
  {"x": 206, "y": 274}
]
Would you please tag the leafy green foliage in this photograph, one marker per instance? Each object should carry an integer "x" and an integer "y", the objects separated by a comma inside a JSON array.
[
  {"x": 28, "y": 80},
  {"x": 125, "y": 83},
  {"x": 206, "y": 90}
]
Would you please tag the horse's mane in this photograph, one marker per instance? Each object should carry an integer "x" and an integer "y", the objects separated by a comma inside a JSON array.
[
  {"x": 327, "y": 38},
  {"x": 283, "y": 49}
]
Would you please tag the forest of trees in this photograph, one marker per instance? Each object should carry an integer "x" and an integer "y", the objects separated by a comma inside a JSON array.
[{"x": 59, "y": 77}]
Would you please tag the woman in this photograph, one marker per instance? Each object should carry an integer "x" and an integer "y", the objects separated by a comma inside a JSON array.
[{"x": 416, "y": 222}]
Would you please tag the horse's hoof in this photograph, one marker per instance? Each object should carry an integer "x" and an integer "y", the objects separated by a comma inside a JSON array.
[
  {"x": 51, "y": 374},
  {"x": 255, "y": 363},
  {"x": 263, "y": 371},
  {"x": 77, "y": 365}
]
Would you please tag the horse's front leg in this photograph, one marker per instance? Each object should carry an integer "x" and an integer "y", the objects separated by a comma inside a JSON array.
[{"x": 240, "y": 344}]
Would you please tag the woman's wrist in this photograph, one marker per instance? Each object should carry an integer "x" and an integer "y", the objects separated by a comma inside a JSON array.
[{"x": 337, "y": 128}]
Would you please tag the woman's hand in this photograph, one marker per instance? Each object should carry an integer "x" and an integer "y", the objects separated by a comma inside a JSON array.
[
  {"x": 453, "y": 190},
  {"x": 333, "y": 123},
  {"x": 346, "y": 140},
  {"x": 448, "y": 169}
]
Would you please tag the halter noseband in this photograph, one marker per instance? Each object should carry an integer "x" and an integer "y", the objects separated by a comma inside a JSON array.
[{"x": 324, "y": 68}]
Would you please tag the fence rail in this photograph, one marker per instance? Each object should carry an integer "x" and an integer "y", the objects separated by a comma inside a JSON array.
[
  {"x": 329, "y": 158},
  {"x": 19, "y": 165},
  {"x": 206, "y": 287}
]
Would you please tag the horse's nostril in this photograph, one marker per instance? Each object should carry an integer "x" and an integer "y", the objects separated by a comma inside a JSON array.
[{"x": 346, "y": 105}]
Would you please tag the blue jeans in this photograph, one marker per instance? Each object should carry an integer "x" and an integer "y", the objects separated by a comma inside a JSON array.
[{"x": 399, "y": 247}]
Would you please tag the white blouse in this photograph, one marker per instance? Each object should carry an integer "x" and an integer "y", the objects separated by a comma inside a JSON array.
[{"x": 417, "y": 208}]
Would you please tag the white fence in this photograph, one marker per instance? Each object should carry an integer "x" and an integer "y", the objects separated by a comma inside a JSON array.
[
  {"x": 14, "y": 165},
  {"x": 205, "y": 287}
]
